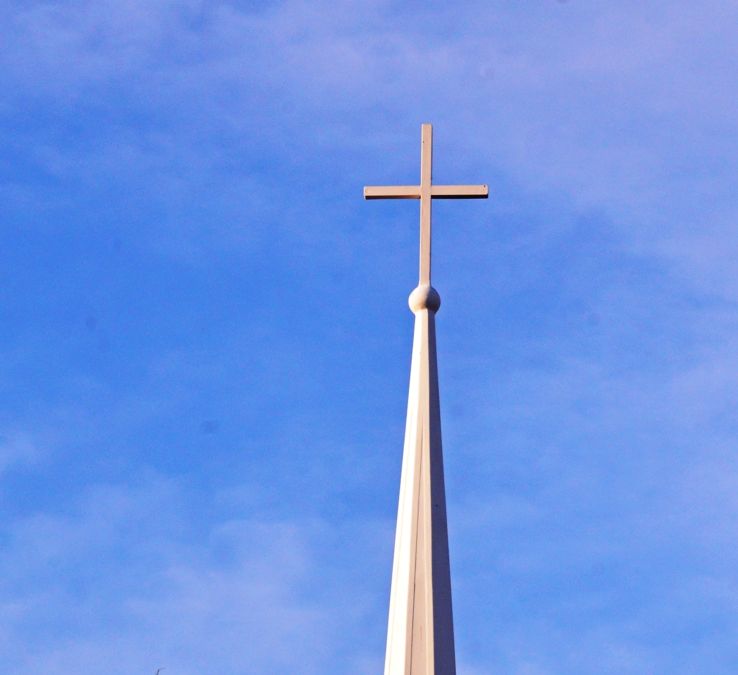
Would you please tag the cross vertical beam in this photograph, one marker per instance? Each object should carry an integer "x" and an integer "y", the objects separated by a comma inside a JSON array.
[{"x": 426, "y": 179}]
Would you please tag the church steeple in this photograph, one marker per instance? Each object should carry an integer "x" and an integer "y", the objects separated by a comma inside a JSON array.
[{"x": 420, "y": 635}]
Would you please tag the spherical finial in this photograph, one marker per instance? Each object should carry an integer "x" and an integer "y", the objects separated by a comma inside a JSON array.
[{"x": 424, "y": 297}]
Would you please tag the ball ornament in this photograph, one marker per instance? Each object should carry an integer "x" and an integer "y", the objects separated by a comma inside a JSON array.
[{"x": 424, "y": 297}]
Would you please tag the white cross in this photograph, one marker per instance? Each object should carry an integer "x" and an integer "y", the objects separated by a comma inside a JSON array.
[{"x": 425, "y": 192}]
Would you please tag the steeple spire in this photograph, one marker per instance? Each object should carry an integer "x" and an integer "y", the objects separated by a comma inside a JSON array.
[{"x": 420, "y": 635}]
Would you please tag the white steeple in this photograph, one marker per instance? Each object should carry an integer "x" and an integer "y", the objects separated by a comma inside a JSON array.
[{"x": 420, "y": 636}]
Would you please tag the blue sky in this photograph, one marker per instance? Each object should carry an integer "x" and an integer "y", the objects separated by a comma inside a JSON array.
[{"x": 205, "y": 341}]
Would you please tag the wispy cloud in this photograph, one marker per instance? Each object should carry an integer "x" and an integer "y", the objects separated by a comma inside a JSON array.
[
  {"x": 123, "y": 582},
  {"x": 17, "y": 448}
]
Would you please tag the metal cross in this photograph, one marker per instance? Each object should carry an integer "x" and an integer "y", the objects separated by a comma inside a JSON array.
[{"x": 425, "y": 192}]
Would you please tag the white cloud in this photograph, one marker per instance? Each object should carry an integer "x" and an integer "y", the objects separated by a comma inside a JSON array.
[
  {"x": 17, "y": 449},
  {"x": 125, "y": 583}
]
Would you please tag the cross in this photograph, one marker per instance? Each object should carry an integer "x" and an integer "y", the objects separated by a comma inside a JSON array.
[{"x": 426, "y": 192}]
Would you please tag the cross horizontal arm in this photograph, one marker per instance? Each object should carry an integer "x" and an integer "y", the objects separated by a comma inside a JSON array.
[
  {"x": 392, "y": 192},
  {"x": 459, "y": 191},
  {"x": 437, "y": 192}
]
